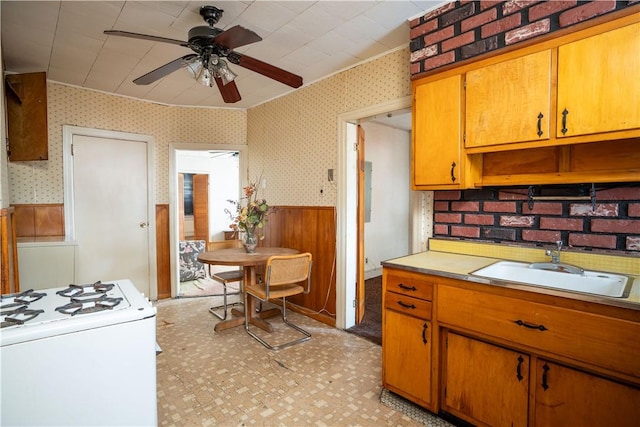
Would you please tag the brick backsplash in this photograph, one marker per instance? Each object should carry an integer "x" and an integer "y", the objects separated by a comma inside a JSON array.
[
  {"x": 506, "y": 215},
  {"x": 461, "y": 30}
]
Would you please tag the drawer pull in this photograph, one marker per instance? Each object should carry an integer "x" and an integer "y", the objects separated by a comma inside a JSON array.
[
  {"x": 530, "y": 325},
  {"x": 411, "y": 306},
  {"x": 424, "y": 333},
  {"x": 518, "y": 368},
  {"x": 407, "y": 288},
  {"x": 545, "y": 368}
]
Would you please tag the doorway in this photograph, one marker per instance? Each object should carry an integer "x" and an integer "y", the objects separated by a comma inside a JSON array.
[
  {"x": 220, "y": 170},
  {"x": 348, "y": 267}
]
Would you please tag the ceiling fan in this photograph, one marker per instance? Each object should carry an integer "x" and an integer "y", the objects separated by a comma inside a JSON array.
[{"x": 210, "y": 45}]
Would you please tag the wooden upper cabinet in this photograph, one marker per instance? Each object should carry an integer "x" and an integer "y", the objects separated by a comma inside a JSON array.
[
  {"x": 509, "y": 102},
  {"x": 27, "y": 116},
  {"x": 599, "y": 84},
  {"x": 437, "y": 152}
]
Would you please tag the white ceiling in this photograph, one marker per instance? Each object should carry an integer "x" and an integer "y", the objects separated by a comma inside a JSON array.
[{"x": 313, "y": 39}]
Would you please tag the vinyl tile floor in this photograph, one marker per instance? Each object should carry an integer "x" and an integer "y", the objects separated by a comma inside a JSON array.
[{"x": 208, "y": 378}]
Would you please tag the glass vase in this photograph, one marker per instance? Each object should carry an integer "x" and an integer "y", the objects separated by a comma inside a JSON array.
[{"x": 250, "y": 242}]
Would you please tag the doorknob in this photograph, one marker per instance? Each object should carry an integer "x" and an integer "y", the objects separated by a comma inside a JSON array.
[{"x": 144, "y": 224}]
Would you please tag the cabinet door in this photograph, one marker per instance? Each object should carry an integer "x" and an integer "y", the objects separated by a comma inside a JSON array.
[
  {"x": 27, "y": 116},
  {"x": 407, "y": 356},
  {"x": 598, "y": 83},
  {"x": 567, "y": 397},
  {"x": 509, "y": 102},
  {"x": 436, "y": 133},
  {"x": 485, "y": 383}
]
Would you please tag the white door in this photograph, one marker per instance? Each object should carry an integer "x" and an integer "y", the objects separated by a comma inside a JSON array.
[{"x": 111, "y": 211}]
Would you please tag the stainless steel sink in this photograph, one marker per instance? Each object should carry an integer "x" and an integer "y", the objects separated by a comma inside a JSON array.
[{"x": 591, "y": 282}]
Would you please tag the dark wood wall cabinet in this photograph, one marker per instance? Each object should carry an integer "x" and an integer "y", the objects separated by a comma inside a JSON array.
[{"x": 27, "y": 116}]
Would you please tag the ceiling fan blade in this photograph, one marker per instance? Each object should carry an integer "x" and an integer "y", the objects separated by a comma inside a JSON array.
[
  {"x": 145, "y": 37},
  {"x": 265, "y": 69},
  {"x": 235, "y": 37},
  {"x": 229, "y": 91},
  {"x": 163, "y": 71}
]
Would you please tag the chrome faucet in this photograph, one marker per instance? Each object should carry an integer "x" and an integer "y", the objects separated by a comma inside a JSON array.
[
  {"x": 555, "y": 254},
  {"x": 555, "y": 264}
]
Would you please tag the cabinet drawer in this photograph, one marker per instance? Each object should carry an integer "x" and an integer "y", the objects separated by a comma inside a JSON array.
[
  {"x": 410, "y": 284},
  {"x": 599, "y": 340},
  {"x": 412, "y": 306}
]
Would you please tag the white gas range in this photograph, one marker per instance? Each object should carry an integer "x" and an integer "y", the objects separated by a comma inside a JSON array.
[{"x": 80, "y": 355}]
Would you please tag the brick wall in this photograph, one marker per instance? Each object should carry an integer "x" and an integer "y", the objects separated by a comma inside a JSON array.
[
  {"x": 505, "y": 215},
  {"x": 463, "y": 29}
]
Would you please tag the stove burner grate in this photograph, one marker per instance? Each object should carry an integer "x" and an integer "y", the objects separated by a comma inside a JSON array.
[
  {"x": 19, "y": 299},
  {"x": 89, "y": 306},
  {"x": 18, "y": 316},
  {"x": 97, "y": 288}
]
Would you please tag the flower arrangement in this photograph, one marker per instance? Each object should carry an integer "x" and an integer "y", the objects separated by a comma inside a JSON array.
[{"x": 249, "y": 215}]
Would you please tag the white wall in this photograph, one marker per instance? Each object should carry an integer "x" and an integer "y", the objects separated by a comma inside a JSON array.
[
  {"x": 386, "y": 236},
  {"x": 223, "y": 185}
]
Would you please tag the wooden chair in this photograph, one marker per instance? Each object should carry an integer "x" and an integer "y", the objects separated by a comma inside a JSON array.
[
  {"x": 224, "y": 277},
  {"x": 282, "y": 279}
]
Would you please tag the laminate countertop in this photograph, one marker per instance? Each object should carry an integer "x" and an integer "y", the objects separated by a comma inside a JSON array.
[{"x": 461, "y": 267}]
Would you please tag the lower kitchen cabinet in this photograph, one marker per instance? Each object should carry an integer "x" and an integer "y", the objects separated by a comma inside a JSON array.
[
  {"x": 493, "y": 356},
  {"x": 407, "y": 367},
  {"x": 569, "y": 397},
  {"x": 407, "y": 336},
  {"x": 485, "y": 383}
]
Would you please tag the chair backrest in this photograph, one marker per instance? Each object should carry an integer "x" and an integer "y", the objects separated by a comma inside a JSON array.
[
  {"x": 288, "y": 269},
  {"x": 223, "y": 244}
]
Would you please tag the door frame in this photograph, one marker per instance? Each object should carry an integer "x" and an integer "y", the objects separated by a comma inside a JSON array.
[
  {"x": 347, "y": 262},
  {"x": 173, "y": 194},
  {"x": 68, "y": 132}
]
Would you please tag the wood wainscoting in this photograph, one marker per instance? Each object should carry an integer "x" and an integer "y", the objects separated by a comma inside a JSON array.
[
  {"x": 309, "y": 229},
  {"x": 39, "y": 220},
  {"x": 163, "y": 251}
]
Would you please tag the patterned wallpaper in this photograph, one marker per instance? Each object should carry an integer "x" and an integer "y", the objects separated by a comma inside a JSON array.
[
  {"x": 292, "y": 140},
  {"x": 42, "y": 181}
]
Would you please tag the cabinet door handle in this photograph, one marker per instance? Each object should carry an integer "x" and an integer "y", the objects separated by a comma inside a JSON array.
[
  {"x": 518, "y": 368},
  {"x": 540, "y": 117},
  {"x": 530, "y": 325},
  {"x": 453, "y": 176},
  {"x": 424, "y": 333},
  {"x": 564, "y": 129},
  {"x": 402, "y": 304},
  {"x": 406, "y": 288},
  {"x": 545, "y": 384}
]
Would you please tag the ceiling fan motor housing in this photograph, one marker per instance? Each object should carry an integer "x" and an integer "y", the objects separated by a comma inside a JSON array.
[{"x": 203, "y": 35}]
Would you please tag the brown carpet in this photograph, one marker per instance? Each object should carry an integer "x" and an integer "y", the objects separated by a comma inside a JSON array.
[{"x": 371, "y": 325}]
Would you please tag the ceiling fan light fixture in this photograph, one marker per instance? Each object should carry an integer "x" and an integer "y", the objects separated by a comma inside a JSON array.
[
  {"x": 198, "y": 71},
  {"x": 225, "y": 72}
]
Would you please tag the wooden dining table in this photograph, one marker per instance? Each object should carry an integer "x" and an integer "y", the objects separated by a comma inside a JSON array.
[{"x": 248, "y": 262}]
